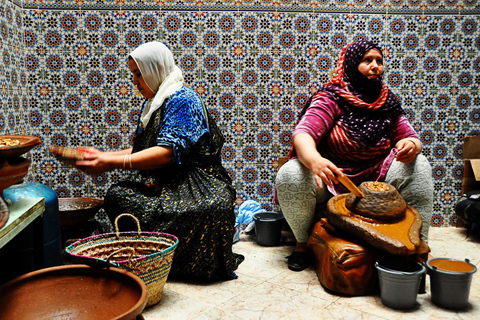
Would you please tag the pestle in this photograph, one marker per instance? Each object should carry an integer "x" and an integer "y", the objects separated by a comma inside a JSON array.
[{"x": 350, "y": 186}]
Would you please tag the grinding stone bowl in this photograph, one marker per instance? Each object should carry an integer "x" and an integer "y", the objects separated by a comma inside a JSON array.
[
  {"x": 73, "y": 292},
  {"x": 381, "y": 201},
  {"x": 396, "y": 236}
]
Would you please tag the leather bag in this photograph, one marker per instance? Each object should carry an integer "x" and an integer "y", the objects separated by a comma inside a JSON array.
[
  {"x": 343, "y": 263},
  {"x": 468, "y": 208}
]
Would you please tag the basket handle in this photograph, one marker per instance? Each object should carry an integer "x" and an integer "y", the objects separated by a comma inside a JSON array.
[
  {"x": 127, "y": 215},
  {"x": 132, "y": 251}
]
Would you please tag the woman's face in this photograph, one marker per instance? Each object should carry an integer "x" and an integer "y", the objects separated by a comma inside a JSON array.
[
  {"x": 371, "y": 65},
  {"x": 138, "y": 80}
]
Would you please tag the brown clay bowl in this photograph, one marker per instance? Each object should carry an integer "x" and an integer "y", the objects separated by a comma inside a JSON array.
[
  {"x": 76, "y": 211},
  {"x": 73, "y": 292},
  {"x": 26, "y": 143},
  {"x": 12, "y": 170}
]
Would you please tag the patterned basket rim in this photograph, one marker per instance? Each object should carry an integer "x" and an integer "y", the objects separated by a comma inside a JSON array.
[{"x": 113, "y": 236}]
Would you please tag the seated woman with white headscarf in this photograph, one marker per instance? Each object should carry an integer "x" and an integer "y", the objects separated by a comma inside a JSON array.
[{"x": 177, "y": 183}]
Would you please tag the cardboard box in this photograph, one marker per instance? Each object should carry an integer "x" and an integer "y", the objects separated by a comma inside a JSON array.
[{"x": 471, "y": 173}]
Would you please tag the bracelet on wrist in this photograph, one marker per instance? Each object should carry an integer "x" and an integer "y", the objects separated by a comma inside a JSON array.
[
  {"x": 414, "y": 143},
  {"x": 124, "y": 161}
]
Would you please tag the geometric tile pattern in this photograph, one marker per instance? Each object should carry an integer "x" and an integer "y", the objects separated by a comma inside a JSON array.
[
  {"x": 325, "y": 6},
  {"x": 64, "y": 78}
]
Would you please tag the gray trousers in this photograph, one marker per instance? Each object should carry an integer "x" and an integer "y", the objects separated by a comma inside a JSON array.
[{"x": 298, "y": 194}]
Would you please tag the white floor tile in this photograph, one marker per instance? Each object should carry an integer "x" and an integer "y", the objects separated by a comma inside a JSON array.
[{"x": 267, "y": 289}]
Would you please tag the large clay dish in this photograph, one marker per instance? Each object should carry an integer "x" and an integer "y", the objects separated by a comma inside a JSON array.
[
  {"x": 75, "y": 211},
  {"x": 26, "y": 144},
  {"x": 397, "y": 236},
  {"x": 73, "y": 292},
  {"x": 12, "y": 170}
]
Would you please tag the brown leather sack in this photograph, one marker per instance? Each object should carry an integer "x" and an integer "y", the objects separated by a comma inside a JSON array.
[{"x": 343, "y": 264}]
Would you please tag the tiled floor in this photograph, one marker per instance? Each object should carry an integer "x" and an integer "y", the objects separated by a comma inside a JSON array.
[{"x": 267, "y": 289}]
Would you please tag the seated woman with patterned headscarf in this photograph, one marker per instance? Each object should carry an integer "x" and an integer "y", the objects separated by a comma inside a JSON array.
[
  {"x": 177, "y": 183},
  {"x": 354, "y": 126}
]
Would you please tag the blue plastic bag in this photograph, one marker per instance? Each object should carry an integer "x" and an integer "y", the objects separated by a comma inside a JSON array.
[{"x": 244, "y": 220}]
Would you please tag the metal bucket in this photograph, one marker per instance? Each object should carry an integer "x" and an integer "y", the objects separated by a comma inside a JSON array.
[
  {"x": 399, "y": 282},
  {"x": 450, "y": 282}
]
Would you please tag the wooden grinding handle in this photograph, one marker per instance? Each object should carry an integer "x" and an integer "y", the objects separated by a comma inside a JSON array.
[{"x": 351, "y": 186}]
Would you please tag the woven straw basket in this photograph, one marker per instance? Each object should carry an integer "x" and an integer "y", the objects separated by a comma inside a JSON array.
[{"x": 148, "y": 255}]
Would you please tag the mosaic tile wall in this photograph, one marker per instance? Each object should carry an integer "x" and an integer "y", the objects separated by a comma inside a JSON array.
[
  {"x": 255, "y": 70},
  {"x": 335, "y": 6},
  {"x": 13, "y": 95}
]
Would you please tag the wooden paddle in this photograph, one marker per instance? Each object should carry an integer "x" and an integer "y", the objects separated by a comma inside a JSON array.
[{"x": 350, "y": 186}]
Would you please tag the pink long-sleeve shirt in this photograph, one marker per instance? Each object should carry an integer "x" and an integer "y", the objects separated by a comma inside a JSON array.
[{"x": 359, "y": 162}]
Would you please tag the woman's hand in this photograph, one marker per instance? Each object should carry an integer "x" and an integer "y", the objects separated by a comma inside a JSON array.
[
  {"x": 98, "y": 162},
  {"x": 408, "y": 149},
  {"x": 322, "y": 168},
  {"x": 325, "y": 170},
  {"x": 88, "y": 150}
]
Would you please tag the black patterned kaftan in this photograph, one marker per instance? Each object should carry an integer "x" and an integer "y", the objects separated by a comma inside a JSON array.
[{"x": 192, "y": 198}]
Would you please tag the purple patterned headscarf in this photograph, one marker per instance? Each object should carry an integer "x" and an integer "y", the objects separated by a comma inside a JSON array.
[
  {"x": 369, "y": 104},
  {"x": 367, "y": 89}
]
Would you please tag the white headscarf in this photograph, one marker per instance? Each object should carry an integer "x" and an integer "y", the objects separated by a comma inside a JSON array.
[{"x": 155, "y": 62}]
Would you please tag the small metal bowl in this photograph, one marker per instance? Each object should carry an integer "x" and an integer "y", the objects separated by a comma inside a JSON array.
[{"x": 76, "y": 211}]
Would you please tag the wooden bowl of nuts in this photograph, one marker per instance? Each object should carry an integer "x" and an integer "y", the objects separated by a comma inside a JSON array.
[
  {"x": 381, "y": 201},
  {"x": 12, "y": 146}
]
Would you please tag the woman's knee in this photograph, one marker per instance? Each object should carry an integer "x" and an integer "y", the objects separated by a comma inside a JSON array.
[
  {"x": 401, "y": 174},
  {"x": 423, "y": 174},
  {"x": 293, "y": 174},
  {"x": 423, "y": 165}
]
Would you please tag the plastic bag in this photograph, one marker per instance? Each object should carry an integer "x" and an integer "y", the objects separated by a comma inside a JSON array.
[{"x": 244, "y": 221}]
